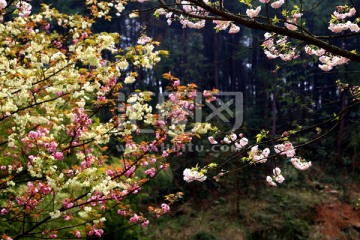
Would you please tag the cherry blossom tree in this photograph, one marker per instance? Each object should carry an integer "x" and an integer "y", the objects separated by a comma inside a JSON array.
[{"x": 55, "y": 180}]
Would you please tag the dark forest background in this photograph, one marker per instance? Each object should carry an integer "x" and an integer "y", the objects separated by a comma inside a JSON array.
[{"x": 278, "y": 96}]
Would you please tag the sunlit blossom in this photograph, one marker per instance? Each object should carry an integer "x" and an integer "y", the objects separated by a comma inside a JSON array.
[{"x": 193, "y": 175}]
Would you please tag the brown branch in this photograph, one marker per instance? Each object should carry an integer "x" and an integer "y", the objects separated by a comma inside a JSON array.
[{"x": 268, "y": 27}]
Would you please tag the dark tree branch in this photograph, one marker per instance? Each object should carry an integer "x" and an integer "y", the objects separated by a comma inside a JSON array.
[{"x": 220, "y": 14}]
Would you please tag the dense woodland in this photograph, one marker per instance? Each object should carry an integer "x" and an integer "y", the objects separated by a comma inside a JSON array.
[{"x": 278, "y": 96}]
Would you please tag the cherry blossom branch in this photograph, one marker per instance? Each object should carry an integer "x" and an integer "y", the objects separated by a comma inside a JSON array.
[{"x": 251, "y": 23}]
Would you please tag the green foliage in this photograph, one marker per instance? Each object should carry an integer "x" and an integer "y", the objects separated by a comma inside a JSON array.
[
  {"x": 159, "y": 186},
  {"x": 118, "y": 228},
  {"x": 246, "y": 2},
  {"x": 260, "y": 136}
]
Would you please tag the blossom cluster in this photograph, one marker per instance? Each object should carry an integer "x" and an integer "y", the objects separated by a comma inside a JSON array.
[
  {"x": 239, "y": 140},
  {"x": 278, "y": 177},
  {"x": 196, "y": 20},
  {"x": 338, "y": 22},
  {"x": 255, "y": 155},
  {"x": 274, "y": 4},
  {"x": 328, "y": 60},
  {"x": 300, "y": 163},
  {"x": 193, "y": 175},
  {"x": 194, "y": 15},
  {"x": 276, "y": 46}
]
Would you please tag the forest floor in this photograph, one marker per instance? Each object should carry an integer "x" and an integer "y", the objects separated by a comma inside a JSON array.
[
  {"x": 315, "y": 211},
  {"x": 336, "y": 218}
]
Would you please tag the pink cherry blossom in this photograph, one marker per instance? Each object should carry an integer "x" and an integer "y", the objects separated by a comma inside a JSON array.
[
  {"x": 270, "y": 55},
  {"x": 277, "y": 4},
  {"x": 165, "y": 154},
  {"x": 98, "y": 232},
  {"x": 251, "y": 13},
  {"x": 212, "y": 140},
  {"x": 3, "y": 4},
  {"x": 143, "y": 40},
  {"x": 241, "y": 143},
  {"x": 165, "y": 207},
  {"x": 270, "y": 181},
  {"x": 279, "y": 178},
  {"x": 300, "y": 164},
  {"x": 233, "y": 136},
  {"x": 285, "y": 149},
  {"x": 259, "y": 156},
  {"x": 336, "y": 28},
  {"x": 24, "y": 8},
  {"x": 320, "y": 52},
  {"x": 145, "y": 223},
  {"x": 290, "y": 24},
  {"x": 151, "y": 172},
  {"x": 34, "y": 134},
  {"x": 226, "y": 140},
  {"x": 234, "y": 29},
  {"x": 353, "y": 26},
  {"x": 325, "y": 67},
  {"x": 221, "y": 25},
  {"x": 134, "y": 218},
  {"x": 352, "y": 12},
  {"x": 193, "y": 175},
  {"x": 297, "y": 15},
  {"x": 77, "y": 234}
]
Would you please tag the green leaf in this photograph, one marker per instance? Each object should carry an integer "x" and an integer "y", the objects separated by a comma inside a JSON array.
[
  {"x": 246, "y": 2},
  {"x": 259, "y": 137},
  {"x": 275, "y": 19}
]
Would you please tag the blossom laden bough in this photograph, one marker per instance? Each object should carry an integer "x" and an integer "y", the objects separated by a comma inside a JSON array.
[{"x": 193, "y": 14}]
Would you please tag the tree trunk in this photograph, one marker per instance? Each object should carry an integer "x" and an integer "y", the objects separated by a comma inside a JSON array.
[
  {"x": 216, "y": 61},
  {"x": 340, "y": 135}
]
